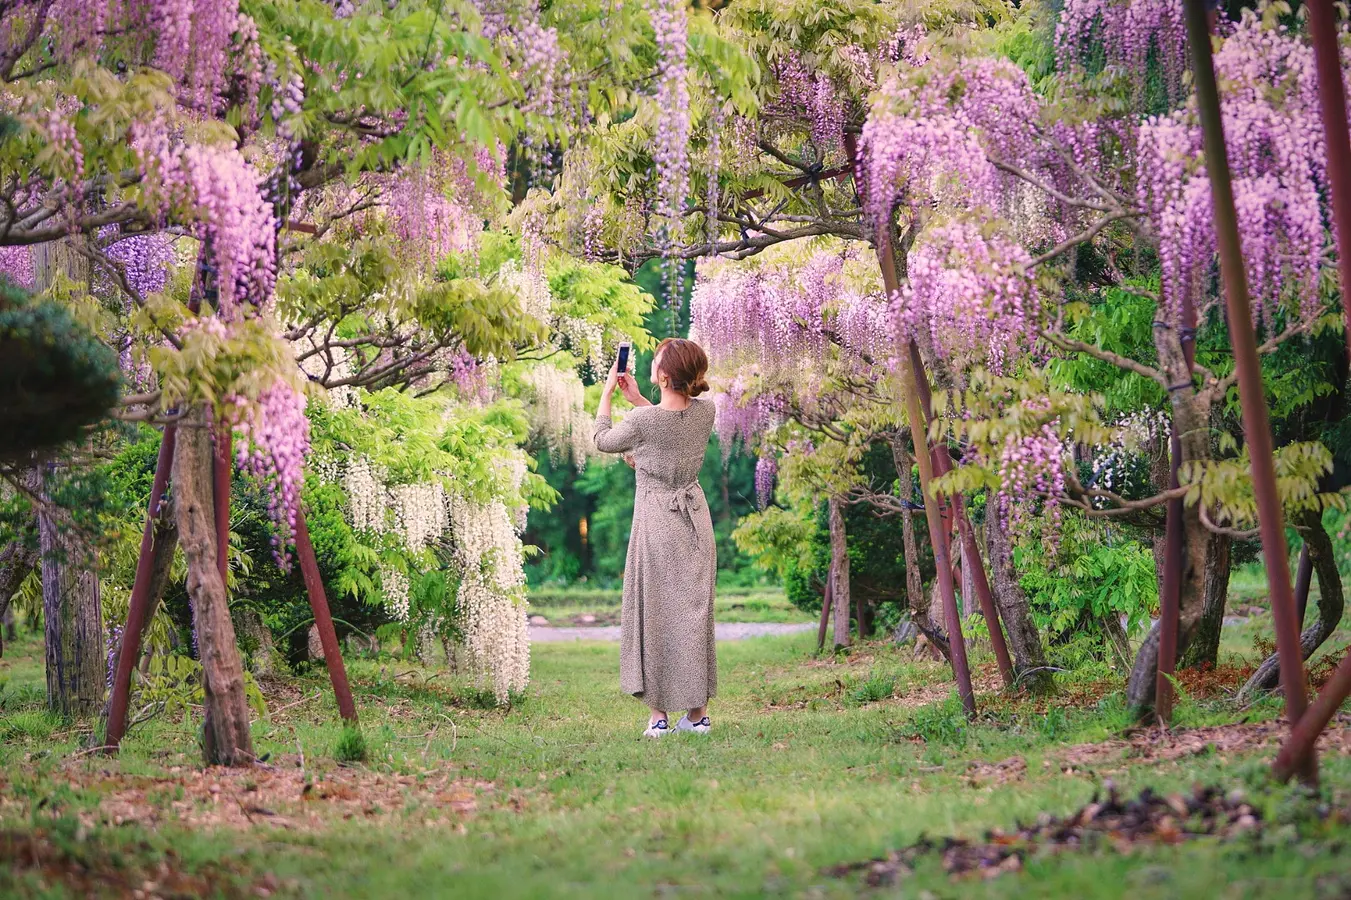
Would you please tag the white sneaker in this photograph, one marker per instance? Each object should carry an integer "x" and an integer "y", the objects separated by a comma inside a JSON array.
[
  {"x": 700, "y": 727},
  {"x": 657, "y": 729}
]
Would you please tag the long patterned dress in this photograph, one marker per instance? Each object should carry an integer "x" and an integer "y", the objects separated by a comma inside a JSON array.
[{"x": 666, "y": 626}]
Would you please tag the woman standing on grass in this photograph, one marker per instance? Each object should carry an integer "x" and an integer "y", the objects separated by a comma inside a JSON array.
[{"x": 666, "y": 627}]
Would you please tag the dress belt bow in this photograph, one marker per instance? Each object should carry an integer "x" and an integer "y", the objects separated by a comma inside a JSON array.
[{"x": 685, "y": 500}]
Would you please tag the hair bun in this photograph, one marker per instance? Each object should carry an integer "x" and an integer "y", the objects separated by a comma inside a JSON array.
[{"x": 698, "y": 387}]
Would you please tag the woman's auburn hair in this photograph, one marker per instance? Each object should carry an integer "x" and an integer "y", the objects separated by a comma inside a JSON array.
[{"x": 686, "y": 364}]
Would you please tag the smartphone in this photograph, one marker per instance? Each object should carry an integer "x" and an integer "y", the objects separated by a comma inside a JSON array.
[{"x": 623, "y": 366}]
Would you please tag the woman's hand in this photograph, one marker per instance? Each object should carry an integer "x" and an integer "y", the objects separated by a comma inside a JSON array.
[
  {"x": 612, "y": 381},
  {"x": 629, "y": 460},
  {"x": 628, "y": 386}
]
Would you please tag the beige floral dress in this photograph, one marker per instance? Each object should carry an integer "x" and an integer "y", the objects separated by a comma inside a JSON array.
[{"x": 666, "y": 626}]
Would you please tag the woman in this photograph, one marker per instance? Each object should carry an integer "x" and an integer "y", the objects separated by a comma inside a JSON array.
[{"x": 666, "y": 628}]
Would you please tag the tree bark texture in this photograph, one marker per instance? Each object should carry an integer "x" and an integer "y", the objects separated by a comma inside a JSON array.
[
  {"x": 1191, "y": 418},
  {"x": 226, "y": 739},
  {"x": 1029, "y": 657},
  {"x": 73, "y": 623},
  {"x": 839, "y": 554},
  {"x": 1204, "y": 648},
  {"x": 72, "y": 611},
  {"x": 1331, "y": 603},
  {"x": 920, "y": 605},
  {"x": 17, "y": 560},
  {"x": 969, "y": 604}
]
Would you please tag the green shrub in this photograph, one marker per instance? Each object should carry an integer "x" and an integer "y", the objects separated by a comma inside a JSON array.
[{"x": 56, "y": 378}]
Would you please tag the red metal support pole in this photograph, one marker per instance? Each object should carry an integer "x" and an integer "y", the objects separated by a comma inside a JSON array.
[
  {"x": 943, "y": 465},
  {"x": 1299, "y": 752},
  {"x": 140, "y": 597},
  {"x": 1256, "y": 424},
  {"x": 1336, "y": 138},
  {"x": 337, "y": 673},
  {"x": 911, "y": 375}
]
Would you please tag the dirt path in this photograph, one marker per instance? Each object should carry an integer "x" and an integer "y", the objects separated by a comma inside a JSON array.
[{"x": 725, "y": 631}]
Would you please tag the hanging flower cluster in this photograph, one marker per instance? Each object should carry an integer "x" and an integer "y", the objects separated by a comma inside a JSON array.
[
  {"x": 1117, "y": 463},
  {"x": 969, "y": 295},
  {"x": 421, "y": 512},
  {"x": 671, "y": 146},
  {"x": 16, "y": 264},
  {"x": 744, "y": 415},
  {"x": 932, "y": 130},
  {"x": 814, "y": 97},
  {"x": 146, "y": 259},
  {"x": 490, "y": 601},
  {"x": 1031, "y": 470},
  {"x": 194, "y": 41},
  {"x": 559, "y": 412},
  {"x": 766, "y": 470},
  {"x": 787, "y": 313},
  {"x": 395, "y": 587},
  {"x": 218, "y": 189},
  {"x": 1274, "y": 133},
  {"x": 367, "y": 495},
  {"x": 438, "y": 209},
  {"x": 273, "y": 439},
  {"x": 1129, "y": 33}
]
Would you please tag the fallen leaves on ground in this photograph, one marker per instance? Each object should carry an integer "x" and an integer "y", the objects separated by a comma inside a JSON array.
[
  {"x": 85, "y": 869},
  {"x": 280, "y": 796},
  {"x": 1147, "y": 819},
  {"x": 1150, "y": 745},
  {"x": 980, "y": 774}
]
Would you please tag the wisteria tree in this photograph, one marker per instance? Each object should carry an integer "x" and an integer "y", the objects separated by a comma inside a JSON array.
[
  {"x": 1126, "y": 192},
  {"x": 1025, "y": 200},
  {"x": 248, "y": 187}
]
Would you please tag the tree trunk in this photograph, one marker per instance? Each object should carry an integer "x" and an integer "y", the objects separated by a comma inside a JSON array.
[
  {"x": 1191, "y": 419},
  {"x": 226, "y": 740},
  {"x": 969, "y": 604},
  {"x": 840, "y": 558},
  {"x": 257, "y": 637},
  {"x": 162, "y": 560},
  {"x": 1118, "y": 643},
  {"x": 1029, "y": 657},
  {"x": 1204, "y": 648},
  {"x": 1330, "y": 604},
  {"x": 920, "y": 605},
  {"x": 72, "y": 611},
  {"x": 73, "y": 622},
  {"x": 17, "y": 560}
]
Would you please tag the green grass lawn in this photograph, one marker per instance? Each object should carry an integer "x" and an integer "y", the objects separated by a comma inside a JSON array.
[
  {"x": 812, "y": 763},
  {"x": 568, "y": 606}
]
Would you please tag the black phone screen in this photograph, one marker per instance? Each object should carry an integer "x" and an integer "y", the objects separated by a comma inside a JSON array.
[{"x": 623, "y": 358}]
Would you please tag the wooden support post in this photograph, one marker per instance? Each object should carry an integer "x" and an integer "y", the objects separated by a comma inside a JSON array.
[
  {"x": 825, "y": 608},
  {"x": 314, "y": 585},
  {"x": 140, "y": 598},
  {"x": 1256, "y": 423}
]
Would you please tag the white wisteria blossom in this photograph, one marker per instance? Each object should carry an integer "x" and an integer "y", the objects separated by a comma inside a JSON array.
[
  {"x": 367, "y": 495},
  {"x": 420, "y": 510},
  {"x": 559, "y": 413},
  {"x": 490, "y": 602}
]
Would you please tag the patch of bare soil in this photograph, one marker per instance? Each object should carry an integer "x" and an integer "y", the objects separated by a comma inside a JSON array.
[
  {"x": 1154, "y": 745},
  {"x": 1117, "y": 823},
  {"x": 982, "y": 774},
  {"x": 280, "y": 796},
  {"x": 84, "y": 869}
]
